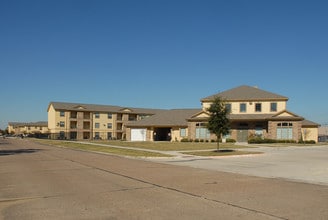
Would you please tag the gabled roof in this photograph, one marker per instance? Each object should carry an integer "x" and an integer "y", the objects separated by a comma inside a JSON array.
[
  {"x": 100, "y": 108},
  {"x": 246, "y": 93},
  {"x": 167, "y": 118}
]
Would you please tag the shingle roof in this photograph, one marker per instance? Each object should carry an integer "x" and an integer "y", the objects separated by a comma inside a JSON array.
[
  {"x": 173, "y": 117},
  {"x": 39, "y": 123},
  {"x": 100, "y": 108},
  {"x": 246, "y": 93},
  {"x": 308, "y": 123}
]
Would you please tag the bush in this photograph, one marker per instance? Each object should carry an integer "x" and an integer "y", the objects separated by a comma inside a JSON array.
[
  {"x": 184, "y": 140},
  {"x": 230, "y": 140},
  {"x": 307, "y": 142},
  {"x": 268, "y": 141}
]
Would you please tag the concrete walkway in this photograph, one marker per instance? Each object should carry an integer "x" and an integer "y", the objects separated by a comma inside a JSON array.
[
  {"x": 297, "y": 163},
  {"x": 303, "y": 164}
]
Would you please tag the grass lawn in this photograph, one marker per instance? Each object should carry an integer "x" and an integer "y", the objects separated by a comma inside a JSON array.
[
  {"x": 192, "y": 148},
  {"x": 103, "y": 149},
  {"x": 171, "y": 146}
]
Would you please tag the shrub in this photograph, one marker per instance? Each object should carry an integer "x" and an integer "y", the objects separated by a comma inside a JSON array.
[
  {"x": 184, "y": 140},
  {"x": 306, "y": 142},
  {"x": 230, "y": 140}
]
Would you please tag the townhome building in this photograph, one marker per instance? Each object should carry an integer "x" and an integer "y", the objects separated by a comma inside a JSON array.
[
  {"x": 89, "y": 121},
  {"x": 253, "y": 113},
  {"x": 28, "y": 128}
]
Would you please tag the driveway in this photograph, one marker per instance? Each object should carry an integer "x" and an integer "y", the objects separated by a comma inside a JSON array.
[{"x": 298, "y": 163}]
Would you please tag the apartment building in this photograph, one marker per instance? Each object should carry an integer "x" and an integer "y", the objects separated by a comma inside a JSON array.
[
  {"x": 89, "y": 121},
  {"x": 34, "y": 128},
  {"x": 253, "y": 113}
]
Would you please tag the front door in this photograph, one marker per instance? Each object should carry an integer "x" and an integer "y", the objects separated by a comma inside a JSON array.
[{"x": 242, "y": 135}]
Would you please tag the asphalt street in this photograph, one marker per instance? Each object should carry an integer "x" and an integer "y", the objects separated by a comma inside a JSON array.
[{"x": 44, "y": 182}]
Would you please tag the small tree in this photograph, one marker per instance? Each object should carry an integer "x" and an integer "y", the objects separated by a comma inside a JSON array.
[{"x": 218, "y": 122}]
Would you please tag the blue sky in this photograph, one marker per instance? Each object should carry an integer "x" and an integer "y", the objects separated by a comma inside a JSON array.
[{"x": 160, "y": 53}]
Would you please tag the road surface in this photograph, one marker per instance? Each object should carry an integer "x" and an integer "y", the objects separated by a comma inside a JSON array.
[{"x": 44, "y": 182}]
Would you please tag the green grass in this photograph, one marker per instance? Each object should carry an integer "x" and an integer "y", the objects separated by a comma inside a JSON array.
[
  {"x": 171, "y": 146},
  {"x": 103, "y": 149},
  {"x": 198, "y": 149}
]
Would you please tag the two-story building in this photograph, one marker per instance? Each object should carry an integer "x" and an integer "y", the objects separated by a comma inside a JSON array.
[
  {"x": 28, "y": 128},
  {"x": 256, "y": 113},
  {"x": 253, "y": 113},
  {"x": 89, "y": 121}
]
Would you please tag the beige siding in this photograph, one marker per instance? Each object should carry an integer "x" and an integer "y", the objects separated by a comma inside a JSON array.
[
  {"x": 309, "y": 134},
  {"x": 250, "y": 107},
  {"x": 51, "y": 118}
]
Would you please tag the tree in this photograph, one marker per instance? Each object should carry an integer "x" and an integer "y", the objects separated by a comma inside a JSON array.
[{"x": 218, "y": 122}]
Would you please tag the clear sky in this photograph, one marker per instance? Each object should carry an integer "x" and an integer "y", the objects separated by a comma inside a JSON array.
[{"x": 160, "y": 53}]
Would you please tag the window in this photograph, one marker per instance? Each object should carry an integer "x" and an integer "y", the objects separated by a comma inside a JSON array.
[
  {"x": 109, "y": 135},
  {"x": 97, "y": 125},
  {"x": 97, "y": 136},
  {"x": 61, "y": 124},
  {"x": 109, "y": 115},
  {"x": 96, "y": 114},
  {"x": 273, "y": 106},
  {"x": 183, "y": 132},
  {"x": 258, "y": 107},
  {"x": 201, "y": 131},
  {"x": 285, "y": 130},
  {"x": 258, "y": 131},
  {"x": 132, "y": 117},
  {"x": 61, "y": 135},
  {"x": 109, "y": 125},
  {"x": 62, "y": 114},
  {"x": 242, "y": 107},
  {"x": 228, "y": 107}
]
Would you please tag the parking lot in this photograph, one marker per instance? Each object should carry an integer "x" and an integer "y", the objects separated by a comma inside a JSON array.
[{"x": 298, "y": 163}]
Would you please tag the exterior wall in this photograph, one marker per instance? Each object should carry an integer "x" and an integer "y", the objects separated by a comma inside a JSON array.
[
  {"x": 309, "y": 134},
  {"x": 103, "y": 122},
  {"x": 175, "y": 133},
  {"x": 273, "y": 125},
  {"x": 81, "y": 124},
  {"x": 51, "y": 118},
  {"x": 250, "y": 107}
]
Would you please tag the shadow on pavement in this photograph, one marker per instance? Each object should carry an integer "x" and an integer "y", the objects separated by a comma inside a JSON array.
[{"x": 17, "y": 151}]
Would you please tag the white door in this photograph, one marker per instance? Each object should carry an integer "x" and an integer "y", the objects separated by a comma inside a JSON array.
[{"x": 138, "y": 134}]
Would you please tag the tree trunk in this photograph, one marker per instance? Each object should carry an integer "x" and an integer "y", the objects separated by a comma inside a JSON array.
[{"x": 218, "y": 143}]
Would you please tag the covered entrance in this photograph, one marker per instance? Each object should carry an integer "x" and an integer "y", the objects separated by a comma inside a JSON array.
[
  {"x": 162, "y": 134},
  {"x": 242, "y": 132}
]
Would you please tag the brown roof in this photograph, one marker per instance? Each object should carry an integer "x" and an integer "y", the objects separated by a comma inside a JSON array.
[
  {"x": 100, "y": 108},
  {"x": 167, "y": 118},
  {"x": 246, "y": 93},
  {"x": 38, "y": 124},
  {"x": 308, "y": 123}
]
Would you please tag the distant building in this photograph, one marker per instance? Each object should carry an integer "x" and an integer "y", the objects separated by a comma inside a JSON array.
[{"x": 34, "y": 128}]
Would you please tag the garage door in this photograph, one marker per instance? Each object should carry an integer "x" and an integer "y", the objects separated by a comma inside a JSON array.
[{"x": 138, "y": 134}]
